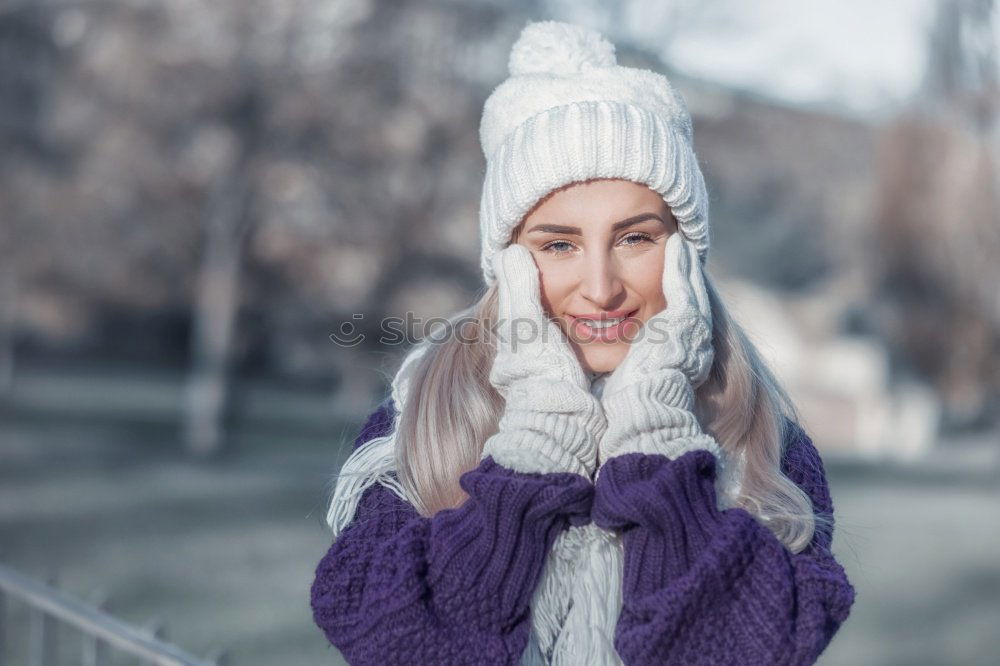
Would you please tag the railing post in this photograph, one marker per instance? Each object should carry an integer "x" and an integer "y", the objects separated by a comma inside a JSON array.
[
  {"x": 42, "y": 634},
  {"x": 95, "y": 651},
  {"x": 3, "y": 628},
  {"x": 157, "y": 628}
]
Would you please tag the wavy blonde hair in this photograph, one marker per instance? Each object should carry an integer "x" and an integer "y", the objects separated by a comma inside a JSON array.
[{"x": 452, "y": 409}]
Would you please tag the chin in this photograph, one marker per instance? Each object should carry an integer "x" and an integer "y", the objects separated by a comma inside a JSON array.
[{"x": 598, "y": 357}]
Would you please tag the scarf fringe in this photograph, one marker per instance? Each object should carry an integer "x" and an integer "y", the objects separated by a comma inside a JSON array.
[
  {"x": 576, "y": 605},
  {"x": 372, "y": 463}
]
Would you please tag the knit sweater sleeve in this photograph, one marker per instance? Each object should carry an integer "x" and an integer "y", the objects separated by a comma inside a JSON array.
[
  {"x": 704, "y": 586},
  {"x": 399, "y": 588}
]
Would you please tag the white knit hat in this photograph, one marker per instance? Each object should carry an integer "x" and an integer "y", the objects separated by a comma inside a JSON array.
[{"x": 569, "y": 113}]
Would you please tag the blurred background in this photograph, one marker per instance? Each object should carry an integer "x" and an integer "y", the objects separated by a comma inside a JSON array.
[{"x": 199, "y": 197}]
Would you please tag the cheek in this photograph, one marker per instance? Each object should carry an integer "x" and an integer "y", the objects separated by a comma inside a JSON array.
[
  {"x": 556, "y": 284},
  {"x": 645, "y": 276}
]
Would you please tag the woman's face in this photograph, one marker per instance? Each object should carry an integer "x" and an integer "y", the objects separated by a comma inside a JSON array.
[{"x": 599, "y": 250}]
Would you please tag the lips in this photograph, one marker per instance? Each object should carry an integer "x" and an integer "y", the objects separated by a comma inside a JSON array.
[{"x": 602, "y": 327}]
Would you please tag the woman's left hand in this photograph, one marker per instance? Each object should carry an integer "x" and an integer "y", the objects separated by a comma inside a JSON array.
[{"x": 648, "y": 399}]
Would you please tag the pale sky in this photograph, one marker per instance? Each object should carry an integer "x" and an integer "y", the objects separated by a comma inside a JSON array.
[{"x": 863, "y": 55}]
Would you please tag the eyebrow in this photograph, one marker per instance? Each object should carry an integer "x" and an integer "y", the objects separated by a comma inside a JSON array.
[{"x": 576, "y": 231}]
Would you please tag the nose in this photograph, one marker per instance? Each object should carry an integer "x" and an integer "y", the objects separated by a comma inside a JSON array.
[{"x": 600, "y": 283}]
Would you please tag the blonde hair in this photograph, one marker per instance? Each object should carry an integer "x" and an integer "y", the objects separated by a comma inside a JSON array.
[{"x": 452, "y": 408}]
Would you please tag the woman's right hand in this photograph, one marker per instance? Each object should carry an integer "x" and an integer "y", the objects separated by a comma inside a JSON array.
[{"x": 551, "y": 423}]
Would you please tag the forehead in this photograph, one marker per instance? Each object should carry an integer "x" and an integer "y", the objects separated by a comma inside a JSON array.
[{"x": 596, "y": 201}]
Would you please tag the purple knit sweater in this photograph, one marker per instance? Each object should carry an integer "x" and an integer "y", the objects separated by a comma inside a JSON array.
[{"x": 701, "y": 586}]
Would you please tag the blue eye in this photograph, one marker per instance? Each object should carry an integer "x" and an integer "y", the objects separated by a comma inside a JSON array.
[
  {"x": 635, "y": 238},
  {"x": 558, "y": 247}
]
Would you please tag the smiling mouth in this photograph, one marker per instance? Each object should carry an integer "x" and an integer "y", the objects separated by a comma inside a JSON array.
[{"x": 605, "y": 327}]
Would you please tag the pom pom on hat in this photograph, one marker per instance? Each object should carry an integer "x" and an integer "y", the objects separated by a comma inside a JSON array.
[{"x": 553, "y": 47}]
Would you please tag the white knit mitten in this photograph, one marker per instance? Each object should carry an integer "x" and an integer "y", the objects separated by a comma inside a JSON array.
[
  {"x": 648, "y": 399},
  {"x": 551, "y": 422}
]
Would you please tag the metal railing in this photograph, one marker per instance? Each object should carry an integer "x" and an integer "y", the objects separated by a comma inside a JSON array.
[{"x": 101, "y": 632}]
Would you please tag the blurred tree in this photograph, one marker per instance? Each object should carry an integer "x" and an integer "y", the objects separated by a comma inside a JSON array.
[
  {"x": 28, "y": 55},
  {"x": 937, "y": 229},
  {"x": 270, "y": 166}
]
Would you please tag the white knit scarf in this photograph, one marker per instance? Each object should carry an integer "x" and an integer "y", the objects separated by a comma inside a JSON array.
[{"x": 575, "y": 606}]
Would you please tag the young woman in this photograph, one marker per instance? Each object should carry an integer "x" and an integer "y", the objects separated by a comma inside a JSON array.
[{"x": 592, "y": 465}]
